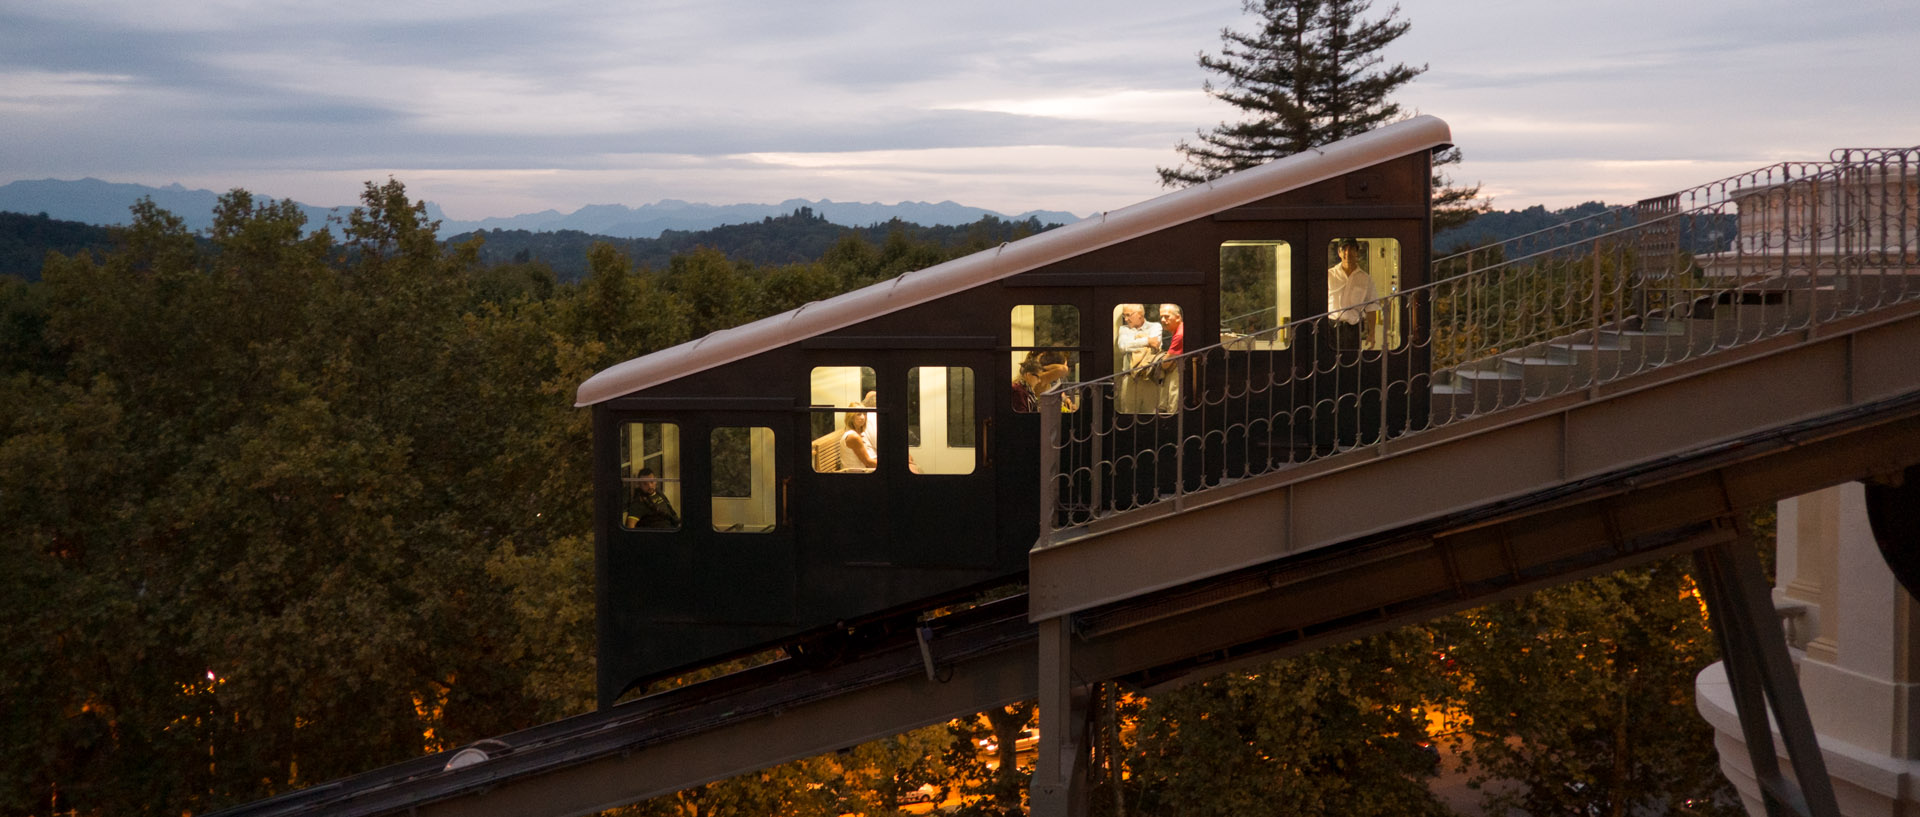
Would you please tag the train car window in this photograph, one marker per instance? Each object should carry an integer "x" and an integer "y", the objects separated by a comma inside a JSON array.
[
  {"x": 844, "y": 442},
  {"x": 1363, "y": 289},
  {"x": 940, "y": 420},
  {"x": 1046, "y": 340},
  {"x": 1256, "y": 294},
  {"x": 743, "y": 479},
  {"x": 650, "y": 476},
  {"x": 1145, "y": 339}
]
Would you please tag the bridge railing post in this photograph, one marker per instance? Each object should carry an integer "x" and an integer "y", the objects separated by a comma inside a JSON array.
[{"x": 1049, "y": 465}]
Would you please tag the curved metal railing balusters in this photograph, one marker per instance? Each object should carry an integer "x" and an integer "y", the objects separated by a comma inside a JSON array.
[{"x": 1788, "y": 247}]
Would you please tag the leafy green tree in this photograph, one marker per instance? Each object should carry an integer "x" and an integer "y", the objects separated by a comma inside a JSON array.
[
  {"x": 999, "y": 788},
  {"x": 875, "y": 776},
  {"x": 1335, "y": 732},
  {"x": 793, "y": 286},
  {"x": 805, "y": 788},
  {"x": 853, "y": 260},
  {"x": 1310, "y": 73},
  {"x": 718, "y": 292},
  {"x": 902, "y": 254},
  {"x": 23, "y": 330},
  {"x": 625, "y": 310},
  {"x": 1579, "y": 698},
  {"x": 278, "y": 508},
  {"x": 25, "y": 241},
  {"x": 68, "y": 599}
]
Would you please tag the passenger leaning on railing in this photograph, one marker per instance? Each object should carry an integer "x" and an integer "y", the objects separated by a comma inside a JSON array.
[
  {"x": 1172, "y": 323},
  {"x": 1137, "y": 345}
]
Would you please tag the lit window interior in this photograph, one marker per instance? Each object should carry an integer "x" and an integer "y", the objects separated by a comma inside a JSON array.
[{"x": 650, "y": 476}]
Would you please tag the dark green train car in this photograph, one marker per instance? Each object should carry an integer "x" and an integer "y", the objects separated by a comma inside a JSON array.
[{"x": 877, "y": 453}]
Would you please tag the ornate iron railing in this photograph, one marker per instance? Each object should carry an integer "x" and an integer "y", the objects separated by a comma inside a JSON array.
[{"x": 1781, "y": 249}]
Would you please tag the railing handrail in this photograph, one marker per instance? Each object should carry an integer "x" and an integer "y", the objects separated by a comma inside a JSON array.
[
  {"x": 1786, "y": 169},
  {"x": 1461, "y": 334}
]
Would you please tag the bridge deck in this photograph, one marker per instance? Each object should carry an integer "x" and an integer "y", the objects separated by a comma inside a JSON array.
[{"x": 1589, "y": 436}]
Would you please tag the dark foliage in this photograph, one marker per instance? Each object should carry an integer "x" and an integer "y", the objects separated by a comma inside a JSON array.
[
  {"x": 799, "y": 237},
  {"x": 25, "y": 241},
  {"x": 1310, "y": 72},
  {"x": 1499, "y": 225},
  {"x": 1699, "y": 233}
]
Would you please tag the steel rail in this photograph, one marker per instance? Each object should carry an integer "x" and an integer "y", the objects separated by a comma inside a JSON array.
[{"x": 651, "y": 721}]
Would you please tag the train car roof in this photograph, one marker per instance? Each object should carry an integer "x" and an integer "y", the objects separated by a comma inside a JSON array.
[{"x": 1421, "y": 133}]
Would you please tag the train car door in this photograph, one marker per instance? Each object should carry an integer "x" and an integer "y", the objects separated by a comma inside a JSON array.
[
  {"x": 1361, "y": 374},
  {"x": 1145, "y": 326},
  {"x": 1261, "y": 292},
  {"x": 900, "y": 471},
  {"x": 944, "y": 511},
  {"x": 703, "y": 533},
  {"x": 1048, "y": 342},
  {"x": 844, "y": 493}
]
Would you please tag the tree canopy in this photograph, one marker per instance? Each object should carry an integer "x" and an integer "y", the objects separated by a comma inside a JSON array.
[{"x": 285, "y": 504}]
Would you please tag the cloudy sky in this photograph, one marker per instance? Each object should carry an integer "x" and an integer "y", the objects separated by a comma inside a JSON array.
[{"x": 493, "y": 108}]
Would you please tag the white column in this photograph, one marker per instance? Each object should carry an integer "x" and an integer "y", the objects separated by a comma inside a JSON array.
[{"x": 1860, "y": 670}]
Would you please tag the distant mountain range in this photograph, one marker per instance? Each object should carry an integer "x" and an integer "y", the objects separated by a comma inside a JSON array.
[
  {"x": 106, "y": 204},
  {"x": 792, "y": 231},
  {"x": 92, "y": 201}
]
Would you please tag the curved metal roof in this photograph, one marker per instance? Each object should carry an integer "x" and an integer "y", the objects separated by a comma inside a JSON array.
[{"x": 910, "y": 289}]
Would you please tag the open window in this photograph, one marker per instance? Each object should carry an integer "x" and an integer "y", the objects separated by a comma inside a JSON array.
[
  {"x": 1146, "y": 340},
  {"x": 743, "y": 479},
  {"x": 845, "y": 429},
  {"x": 650, "y": 476},
  {"x": 1256, "y": 294},
  {"x": 941, "y": 427},
  {"x": 1046, "y": 342},
  {"x": 1363, "y": 292}
]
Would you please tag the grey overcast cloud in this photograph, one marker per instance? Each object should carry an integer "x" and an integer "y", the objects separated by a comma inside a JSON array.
[{"x": 493, "y": 108}]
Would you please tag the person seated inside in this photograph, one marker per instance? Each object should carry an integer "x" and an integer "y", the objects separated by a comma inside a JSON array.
[
  {"x": 1039, "y": 372},
  {"x": 872, "y": 431},
  {"x": 1053, "y": 367},
  {"x": 854, "y": 439},
  {"x": 1026, "y": 395},
  {"x": 647, "y": 507}
]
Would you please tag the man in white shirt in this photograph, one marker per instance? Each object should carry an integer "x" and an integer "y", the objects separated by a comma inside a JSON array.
[
  {"x": 1349, "y": 300},
  {"x": 1136, "y": 343},
  {"x": 872, "y": 434}
]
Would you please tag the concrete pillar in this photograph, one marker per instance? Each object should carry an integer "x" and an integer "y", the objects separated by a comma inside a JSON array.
[
  {"x": 1058, "y": 787},
  {"x": 1857, "y": 637}
]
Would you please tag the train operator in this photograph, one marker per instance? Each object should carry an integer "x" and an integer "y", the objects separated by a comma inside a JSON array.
[
  {"x": 649, "y": 508},
  {"x": 1349, "y": 298}
]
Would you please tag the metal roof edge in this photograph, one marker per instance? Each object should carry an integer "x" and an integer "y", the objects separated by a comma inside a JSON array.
[{"x": 1091, "y": 233}]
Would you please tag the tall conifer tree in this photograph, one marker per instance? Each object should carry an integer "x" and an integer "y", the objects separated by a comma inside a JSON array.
[{"x": 1310, "y": 74}]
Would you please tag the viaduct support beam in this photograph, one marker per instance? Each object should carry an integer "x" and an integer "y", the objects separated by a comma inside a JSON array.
[
  {"x": 1059, "y": 786},
  {"x": 1761, "y": 677}
]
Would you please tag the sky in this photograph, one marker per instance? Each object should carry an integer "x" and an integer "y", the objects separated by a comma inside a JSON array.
[{"x": 493, "y": 108}]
